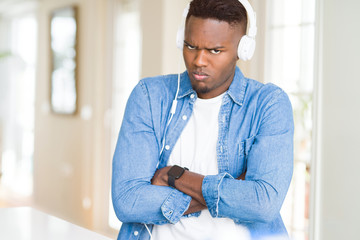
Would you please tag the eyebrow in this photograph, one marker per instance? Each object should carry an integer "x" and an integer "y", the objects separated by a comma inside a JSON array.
[{"x": 214, "y": 48}]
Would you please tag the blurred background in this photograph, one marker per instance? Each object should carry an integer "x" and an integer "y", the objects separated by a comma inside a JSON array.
[{"x": 67, "y": 68}]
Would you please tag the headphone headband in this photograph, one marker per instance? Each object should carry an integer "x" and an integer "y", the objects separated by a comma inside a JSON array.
[{"x": 251, "y": 17}]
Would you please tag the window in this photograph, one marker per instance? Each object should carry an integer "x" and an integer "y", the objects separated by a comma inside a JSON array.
[
  {"x": 289, "y": 64},
  {"x": 126, "y": 70},
  {"x": 17, "y": 101}
]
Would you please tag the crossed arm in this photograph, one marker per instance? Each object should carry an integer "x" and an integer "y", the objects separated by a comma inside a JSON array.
[{"x": 189, "y": 183}]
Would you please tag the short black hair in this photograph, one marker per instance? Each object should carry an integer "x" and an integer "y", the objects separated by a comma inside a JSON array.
[{"x": 230, "y": 11}]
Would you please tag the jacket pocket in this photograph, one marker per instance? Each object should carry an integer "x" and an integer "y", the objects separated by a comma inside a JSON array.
[
  {"x": 239, "y": 159},
  {"x": 243, "y": 151},
  {"x": 248, "y": 144}
]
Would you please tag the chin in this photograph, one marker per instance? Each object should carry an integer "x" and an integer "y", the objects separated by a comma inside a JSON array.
[{"x": 201, "y": 90}]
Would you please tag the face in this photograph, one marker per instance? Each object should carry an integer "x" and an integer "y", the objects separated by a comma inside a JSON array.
[{"x": 210, "y": 54}]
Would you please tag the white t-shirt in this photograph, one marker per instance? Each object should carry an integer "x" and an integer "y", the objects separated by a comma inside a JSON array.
[{"x": 196, "y": 150}]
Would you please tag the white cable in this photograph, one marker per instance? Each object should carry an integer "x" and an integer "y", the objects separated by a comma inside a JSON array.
[
  {"x": 173, "y": 108},
  {"x": 148, "y": 231},
  {"x": 174, "y": 104}
]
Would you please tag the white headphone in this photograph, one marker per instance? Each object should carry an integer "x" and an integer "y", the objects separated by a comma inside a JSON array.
[{"x": 247, "y": 43}]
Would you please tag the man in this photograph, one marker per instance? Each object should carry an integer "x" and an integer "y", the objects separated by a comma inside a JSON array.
[{"x": 219, "y": 166}]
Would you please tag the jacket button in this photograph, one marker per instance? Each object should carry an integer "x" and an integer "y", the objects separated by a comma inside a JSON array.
[
  {"x": 167, "y": 147},
  {"x": 192, "y": 96},
  {"x": 184, "y": 117},
  {"x": 136, "y": 233}
]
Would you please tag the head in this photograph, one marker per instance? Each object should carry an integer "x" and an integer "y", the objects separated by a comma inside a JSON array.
[
  {"x": 230, "y": 11},
  {"x": 213, "y": 30}
]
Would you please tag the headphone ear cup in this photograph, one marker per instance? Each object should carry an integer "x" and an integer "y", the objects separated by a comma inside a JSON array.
[
  {"x": 180, "y": 38},
  {"x": 246, "y": 48}
]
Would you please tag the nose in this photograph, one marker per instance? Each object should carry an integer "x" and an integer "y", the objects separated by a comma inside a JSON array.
[{"x": 200, "y": 58}]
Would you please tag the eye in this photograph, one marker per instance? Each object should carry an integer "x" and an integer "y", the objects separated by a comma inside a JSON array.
[
  {"x": 215, "y": 51},
  {"x": 190, "y": 47}
]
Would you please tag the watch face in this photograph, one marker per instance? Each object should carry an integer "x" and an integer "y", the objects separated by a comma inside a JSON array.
[{"x": 176, "y": 171}]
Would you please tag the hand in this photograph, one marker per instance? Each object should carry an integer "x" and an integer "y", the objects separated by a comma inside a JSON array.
[
  {"x": 160, "y": 177},
  {"x": 195, "y": 206},
  {"x": 242, "y": 176}
]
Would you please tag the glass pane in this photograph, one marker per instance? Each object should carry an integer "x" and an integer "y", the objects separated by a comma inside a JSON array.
[
  {"x": 285, "y": 12},
  {"x": 308, "y": 12},
  {"x": 307, "y": 58},
  {"x": 285, "y": 58},
  {"x": 17, "y": 102},
  {"x": 63, "y": 72}
]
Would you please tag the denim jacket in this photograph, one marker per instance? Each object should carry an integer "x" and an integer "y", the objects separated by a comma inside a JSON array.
[{"x": 255, "y": 135}]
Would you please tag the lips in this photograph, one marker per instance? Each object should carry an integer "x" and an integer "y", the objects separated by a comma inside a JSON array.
[{"x": 200, "y": 76}]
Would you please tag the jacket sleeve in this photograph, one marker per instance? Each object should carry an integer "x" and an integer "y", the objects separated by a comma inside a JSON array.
[
  {"x": 134, "y": 164},
  {"x": 259, "y": 197}
]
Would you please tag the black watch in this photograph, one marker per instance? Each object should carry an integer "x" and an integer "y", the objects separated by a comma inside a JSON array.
[{"x": 174, "y": 173}]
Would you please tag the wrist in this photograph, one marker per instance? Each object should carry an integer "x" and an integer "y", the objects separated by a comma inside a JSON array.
[{"x": 174, "y": 173}]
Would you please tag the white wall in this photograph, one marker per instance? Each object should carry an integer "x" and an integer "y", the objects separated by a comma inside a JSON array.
[
  {"x": 160, "y": 20},
  {"x": 151, "y": 23},
  {"x": 338, "y": 113},
  {"x": 171, "y": 55}
]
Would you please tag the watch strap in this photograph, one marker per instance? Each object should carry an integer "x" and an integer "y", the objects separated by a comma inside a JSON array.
[
  {"x": 174, "y": 173},
  {"x": 171, "y": 181}
]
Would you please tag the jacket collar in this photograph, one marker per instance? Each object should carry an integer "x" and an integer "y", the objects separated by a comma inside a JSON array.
[
  {"x": 236, "y": 90},
  {"x": 238, "y": 87}
]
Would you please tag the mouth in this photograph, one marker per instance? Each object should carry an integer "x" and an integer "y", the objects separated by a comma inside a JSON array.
[{"x": 200, "y": 76}]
